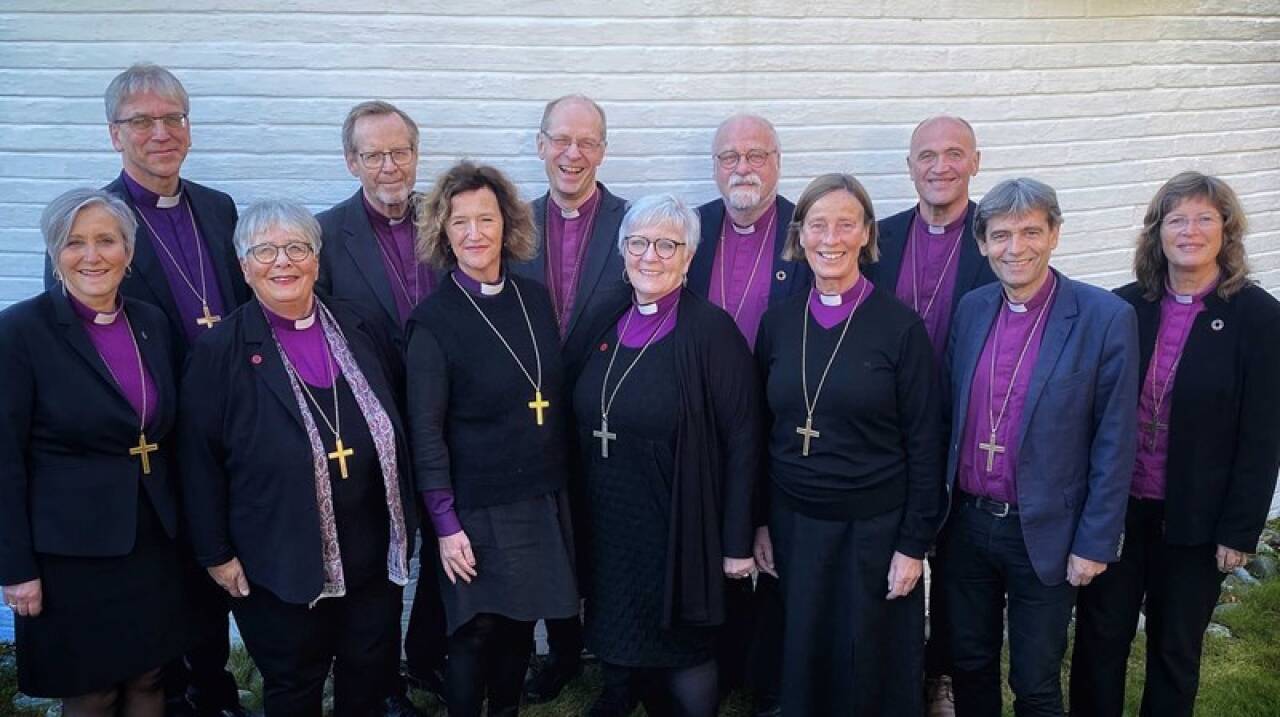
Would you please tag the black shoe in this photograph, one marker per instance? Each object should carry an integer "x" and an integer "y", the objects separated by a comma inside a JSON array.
[
  {"x": 399, "y": 706},
  {"x": 430, "y": 681},
  {"x": 548, "y": 679}
]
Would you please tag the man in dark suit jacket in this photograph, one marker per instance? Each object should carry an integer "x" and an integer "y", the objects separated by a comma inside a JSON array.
[
  {"x": 185, "y": 264},
  {"x": 739, "y": 267},
  {"x": 1042, "y": 374},
  {"x": 577, "y": 219},
  {"x": 368, "y": 238},
  {"x": 929, "y": 259}
]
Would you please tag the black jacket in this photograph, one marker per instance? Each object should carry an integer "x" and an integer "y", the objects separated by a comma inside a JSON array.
[
  {"x": 789, "y": 277},
  {"x": 68, "y": 485},
  {"x": 248, "y": 481},
  {"x": 1224, "y": 422},
  {"x": 972, "y": 268}
]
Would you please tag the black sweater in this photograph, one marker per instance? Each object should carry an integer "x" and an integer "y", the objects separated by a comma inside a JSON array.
[
  {"x": 471, "y": 427},
  {"x": 878, "y": 415}
]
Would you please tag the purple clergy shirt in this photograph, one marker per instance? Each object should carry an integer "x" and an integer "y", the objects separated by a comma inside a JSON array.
[
  {"x": 643, "y": 323},
  {"x": 927, "y": 279},
  {"x": 829, "y": 311},
  {"x": 439, "y": 502},
  {"x": 182, "y": 253},
  {"x": 303, "y": 342},
  {"x": 741, "y": 271},
  {"x": 110, "y": 335},
  {"x": 410, "y": 281},
  {"x": 566, "y": 242},
  {"x": 1016, "y": 326},
  {"x": 1177, "y": 314}
]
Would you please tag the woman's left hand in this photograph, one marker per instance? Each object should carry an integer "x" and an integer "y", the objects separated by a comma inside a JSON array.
[
  {"x": 1230, "y": 559},
  {"x": 25, "y": 599},
  {"x": 904, "y": 572},
  {"x": 739, "y": 568}
]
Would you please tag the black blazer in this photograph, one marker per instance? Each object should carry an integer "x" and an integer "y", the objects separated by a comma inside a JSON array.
[
  {"x": 68, "y": 485},
  {"x": 972, "y": 268},
  {"x": 351, "y": 266},
  {"x": 1224, "y": 423},
  {"x": 247, "y": 477},
  {"x": 789, "y": 277},
  {"x": 602, "y": 266}
]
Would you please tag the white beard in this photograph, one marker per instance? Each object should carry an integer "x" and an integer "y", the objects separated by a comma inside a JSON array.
[{"x": 744, "y": 196}]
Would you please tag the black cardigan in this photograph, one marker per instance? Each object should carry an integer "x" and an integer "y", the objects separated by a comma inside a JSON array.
[
  {"x": 879, "y": 415},
  {"x": 719, "y": 457},
  {"x": 248, "y": 481},
  {"x": 1224, "y": 423},
  {"x": 68, "y": 485}
]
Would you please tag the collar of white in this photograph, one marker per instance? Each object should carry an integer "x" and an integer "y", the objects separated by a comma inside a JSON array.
[
  {"x": 492, "y": 289},
  {"x": 305, "y": 322},
  {"x": 106, "y": 319},
  {"x": 831, "y": 299},
  {"x": 163, "y": 202}
]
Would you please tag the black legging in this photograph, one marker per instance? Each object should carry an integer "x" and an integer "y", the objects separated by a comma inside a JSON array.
[
  {"x": 487, "y": 655},
  {"x": 669, "y": 692}
]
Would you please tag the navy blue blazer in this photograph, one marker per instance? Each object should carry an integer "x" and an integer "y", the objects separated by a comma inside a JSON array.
[
  {"x": 789, "y": 277},
  {"x": 351, "y": 266},
  {"x": 1078, "y": 435},
  {"x": 972, "y": 268},
  {"x": 602, "y": 267},
  {"x": 216, "y": 216},
  {"x": 248, "y": 482},
  {"x": 68, "y": 485},
  {"x": 1224, "y": 420}
]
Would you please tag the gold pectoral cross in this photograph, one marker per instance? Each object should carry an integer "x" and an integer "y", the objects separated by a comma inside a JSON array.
[
  {"x": 143, "y": 450},
  {"x": 807, "y": 431},
  {"x": 537, "y": 404},
  {"x": 340, "y": 454},
  {"x": 605, "y": 436},
  {"x": 992, "y": 448},
  {"x": 208, "y": 320}
]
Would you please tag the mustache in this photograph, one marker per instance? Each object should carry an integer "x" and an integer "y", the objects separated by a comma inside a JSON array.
[{"x": 750, "y": 180}]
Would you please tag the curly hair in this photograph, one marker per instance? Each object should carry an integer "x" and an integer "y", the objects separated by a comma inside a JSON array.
[
  {"x": 519, "y": 240},
  {"x": 1150, "y": 265}
]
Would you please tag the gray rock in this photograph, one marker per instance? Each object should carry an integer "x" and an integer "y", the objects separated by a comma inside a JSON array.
[
  {"x": 1216, "y": 630},
  {"x": 1244, "y": 577},
  {"x": 54, "y": 711},
  {"x": 23, "y": 703},
  {"x": 1262, "y": 567},
  {"x": 1224, "y": 608}
]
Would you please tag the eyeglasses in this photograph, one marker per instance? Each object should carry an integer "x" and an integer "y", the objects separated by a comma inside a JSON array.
[
  {"x": 401, "y": 156},
  {"x": 562, "y": 142},
  {"x": 145, "y": 123},
  {"x": 295, "y": 251},
  {"x": 755, "y": 158},
  {"x": 638, "y": 244},
  {"x": 1179, "y": 223}
]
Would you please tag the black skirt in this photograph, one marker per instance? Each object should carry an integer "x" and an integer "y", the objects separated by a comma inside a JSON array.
[
  {"x": 524, "y": 563},
  {"x": 104, "y": 620}
]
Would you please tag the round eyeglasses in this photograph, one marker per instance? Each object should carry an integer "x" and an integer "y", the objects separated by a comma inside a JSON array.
[
  {"x": 755, "y": 158},
  {"x": 638, "y": 244},
  {"x": 268, "y": 253},
  {"x": 400, "y": 156}
]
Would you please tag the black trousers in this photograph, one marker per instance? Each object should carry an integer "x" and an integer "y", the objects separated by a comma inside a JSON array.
[
  {"x": 664, "y": 692},
  {"x": 749, "y": 648},
  {"x": 1180, "y": 586},
  {"x": 488, "y": 656},
  {"x": 202, "y": 673},
  {"x": 987, "y": 564},
  {"x": 937, "y": 648},
  {"x": 564, "y": 639},
  {"x": 425, "y": 643},
  {"x": 294, "y": 646}
]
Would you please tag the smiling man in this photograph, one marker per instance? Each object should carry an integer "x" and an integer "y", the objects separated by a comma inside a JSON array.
[
  {"x": 368, "y": 239},
  {"x": 1043, "y": 379}
]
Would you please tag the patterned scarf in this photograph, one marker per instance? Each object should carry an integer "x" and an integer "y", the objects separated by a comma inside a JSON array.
[{"x": 384, "y": 440}]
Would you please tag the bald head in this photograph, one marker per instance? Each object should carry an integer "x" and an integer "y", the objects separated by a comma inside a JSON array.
[
  {"x": 747, "y": 160},
  {"x": 943, "y": 158}
]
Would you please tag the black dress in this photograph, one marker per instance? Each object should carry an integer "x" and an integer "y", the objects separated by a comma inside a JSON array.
[{"x": 628, "y": 504}]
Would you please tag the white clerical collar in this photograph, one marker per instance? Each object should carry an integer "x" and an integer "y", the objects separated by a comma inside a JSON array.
[
  {"x": 743, "y": 230},
  {"x": 569, "y": 213},
  {"x": 492, "y": 289},
  {"x": 163, "y": 202},
  {"x": 397, "y": 222},
  {"x": 937, "y": 229},
  {"x": 1016, "y": 308},
  {"x": 647, "y": 309},
  {"x": 831, "y": 299},
  {"x": 107, "y": 319},
  {"x": 305, "y": 322},
  {"x": 1186, "y": 299}
]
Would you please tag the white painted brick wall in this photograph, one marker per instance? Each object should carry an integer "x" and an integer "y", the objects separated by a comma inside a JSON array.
[{"x": 1103, "y": 99}]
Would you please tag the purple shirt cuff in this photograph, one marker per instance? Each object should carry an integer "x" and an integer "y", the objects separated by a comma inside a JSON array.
[{"x": 439, "y": 504}]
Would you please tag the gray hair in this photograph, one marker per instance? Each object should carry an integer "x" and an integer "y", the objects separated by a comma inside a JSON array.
[
  {"x": 60, "y": 215},
  {"x": 1016, "y": 197},
  {"x": 143, "y": 77},
  {"x": 746, "y": 116},
  {"x": 272, "y": 214},
  {"x": 374, "y": 108},
  {"x": 657, "y": 209},
  {"x": 553, "y": 104}
]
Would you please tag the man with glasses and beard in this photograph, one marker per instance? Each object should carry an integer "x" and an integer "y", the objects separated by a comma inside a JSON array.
[{"x": 739, "y": 267}]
